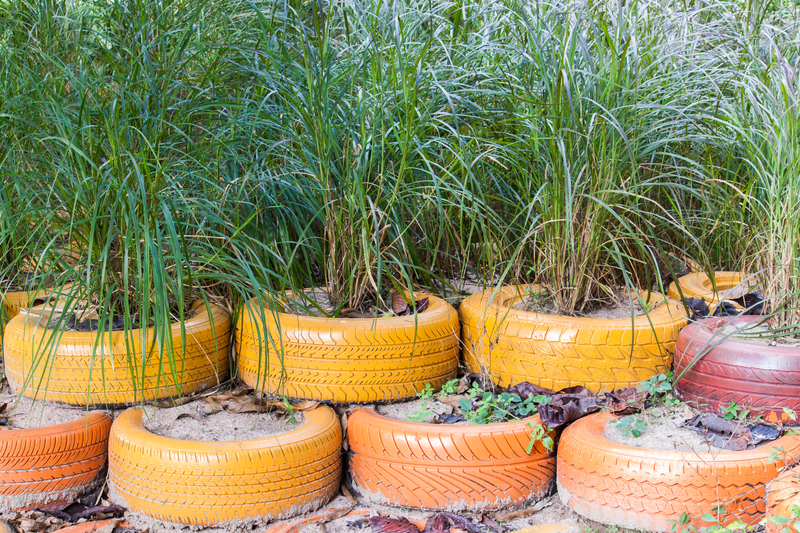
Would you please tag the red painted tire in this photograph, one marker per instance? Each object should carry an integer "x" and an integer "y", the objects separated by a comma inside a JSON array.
[
  {"x": 53, "y": 463},
  {"x": 764, "y": 379},
  {"x": 641, "y": 488},
  {"x": 442, "y": 466},
  {"x": 782, "y": 495}
]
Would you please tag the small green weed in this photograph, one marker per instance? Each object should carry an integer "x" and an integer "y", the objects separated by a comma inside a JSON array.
[
  {"x": 424, "y": 409},
  {"x": 660, "y": 384},
  {"x": 631, "y": 426},
  {"x": 734, "y": 412}
]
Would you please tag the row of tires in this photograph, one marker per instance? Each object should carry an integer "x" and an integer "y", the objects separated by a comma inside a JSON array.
[
  {"x": 392, "y": 359},
  {"x": 340, "y": 360},
  {"x": 393, "y": 462}
]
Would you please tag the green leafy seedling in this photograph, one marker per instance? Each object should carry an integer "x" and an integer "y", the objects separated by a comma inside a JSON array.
[
  {"x": 451, "y": 387},
  {"x": 734, "y": 412},
  {"x": 660, "y": 384},
  {"x": 631, "y": 426}
]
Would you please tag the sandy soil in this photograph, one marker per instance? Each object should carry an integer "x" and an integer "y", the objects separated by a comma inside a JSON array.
[
  {"x": 423, "y": 411},
  {"x": 195, "y": 421},
  {"x": 541, "y": 303},
  {"x": 663, "y": 433},
  {"x": 24, "y": 413}
]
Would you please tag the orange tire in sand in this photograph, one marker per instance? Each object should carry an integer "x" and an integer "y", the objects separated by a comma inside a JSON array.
[
  {"x": 70, "y": 367},
  {"x": 210, "y": 483},
  {"x": 348, "y": 360},
  {"x": 51, "y": 464},
  {"x": 432, "y": 466},
  {"x": 783, "y": 502},
  {"x": 560, "y": 351},
  {"x": 641, "y": 488}
]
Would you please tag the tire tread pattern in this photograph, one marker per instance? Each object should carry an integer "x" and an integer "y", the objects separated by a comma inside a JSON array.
[
  {"x": 556, "y": 352},
  {"x": 764, "y": 379},
  {"x": 433, "y": 467},
  {"x": 643, "y": 489},
  {"x": 211, "y": 483},
  {"x": 348, "y": 360},
  {"x": 50, "y": 464},
  {"x": 72, "y": 374}
]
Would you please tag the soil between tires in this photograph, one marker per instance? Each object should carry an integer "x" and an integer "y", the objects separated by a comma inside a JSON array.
[{"x": 24, "y": 413}]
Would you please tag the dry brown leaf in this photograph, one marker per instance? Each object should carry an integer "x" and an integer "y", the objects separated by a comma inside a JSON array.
[
  {"x": 7, "y": 527},
  {"x": 343, "y": 417},
  {"x": 335, "y": 514},
  {"x": 452, "y": 400},
  {"x": 307, "y": 405},
  {"x": 522, "y": 513},
  {"x": 3, "y": 407},
  {"x": 214, "y": 407},
  {"x": 189, "y": 414},
  {"x": 349, "y": 495},
  {"x": 399, "y": 304},
  {"x": 29, "y": 525},
  {"x": 109, "y": 527}
]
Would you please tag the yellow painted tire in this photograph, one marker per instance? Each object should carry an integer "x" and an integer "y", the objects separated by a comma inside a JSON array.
[
  {"x": 70, "y": 373},
  {"x": 348, "y": 360},
  {"x": 210, "y": 483},
  {"x": 13, "y": 302},
  {"x": 699, "y": 285},
  {"x": 559, "y": 351}
]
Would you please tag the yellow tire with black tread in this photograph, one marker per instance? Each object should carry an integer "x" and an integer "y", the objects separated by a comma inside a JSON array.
[
  {"x": 70, "y": 373},
  {"x": 349, "y": 359},
  {"x": 210, "y": 483},
  {"x": 552, "y": 351}
]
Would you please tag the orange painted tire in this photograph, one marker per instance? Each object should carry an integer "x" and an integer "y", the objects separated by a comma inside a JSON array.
[
  {"x": 51, "y": 464},
  {"x": 782, "y": 495},
  {"x": 348, "y": 360},
  {"x": 445, "y": 466},
  {"x": 210, "y": 483},
  {"x": 551, "y": 351},
  {"x": 699, "y": 285},
  {"x": 71, "y": 374},
  {"x": 640, "y": 488}
]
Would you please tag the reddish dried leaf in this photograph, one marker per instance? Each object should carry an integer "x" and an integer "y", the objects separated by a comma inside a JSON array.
[
  {"x": 384, "y": 524},
  {"x": 626, "y": 401},
  {"x": 526, "y": 389}
]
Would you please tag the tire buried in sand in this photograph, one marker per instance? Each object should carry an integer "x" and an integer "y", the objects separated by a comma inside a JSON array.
[
  {"x": 348, "y": 359},
  {"x": 552, "y": 351},
  {"x": 74, "y": 368},
  {"x": 458, "y": 467},
  {"x": 639, "y": 488},
  {"x": 211, "y": 483},
  {"x": 52, "y": 464}
]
